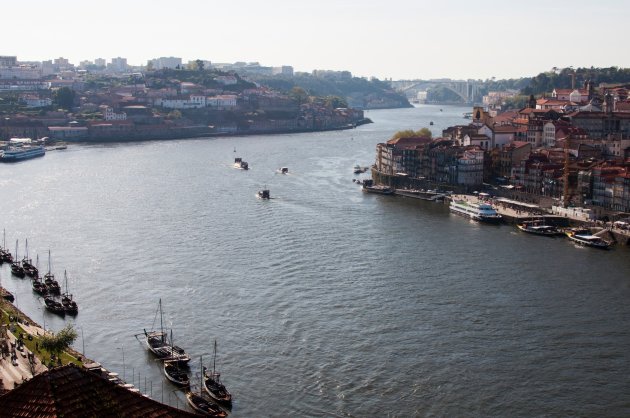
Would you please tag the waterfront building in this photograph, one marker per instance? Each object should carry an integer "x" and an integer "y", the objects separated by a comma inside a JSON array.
[
  {"x": 511, "y": 156},
  {"x": 109, "y": 114},
  {"x": 621, "y": 192},
  {"x": 604, "y": 186},
  {"x": 470, "y": 167},
  {"x": 401, "y": 155}
]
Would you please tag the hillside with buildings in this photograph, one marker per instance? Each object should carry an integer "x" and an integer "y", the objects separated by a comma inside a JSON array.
[
  {"x": 569, "y": 148},
  {"x": 96, "y": 101}
]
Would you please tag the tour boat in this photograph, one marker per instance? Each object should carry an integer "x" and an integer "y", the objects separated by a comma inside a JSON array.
[
  {"x": 52, "y": 285},
  {"x": 482, "y": 212},
  {"x": 585, "y": 238},
  {"x": 22, "y": 153},
  {"x": 538, "y": 228}
]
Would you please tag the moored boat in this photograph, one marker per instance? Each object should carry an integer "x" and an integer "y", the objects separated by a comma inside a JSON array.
[
  {"x": 39, "y": 287},
  {"x": 16, "y": 266},
  {"x": 482, "y": 212},
  {"x": 54, "y": 305},
  {"x": 27, "y": 264},
  {"x": 158, "y": 343},
  {"x": 430, "y": 195},
  {"x": 201, "y": 403},
  {"x": 204, "y": 406},
  {"x": 69, "y": 304},
  {"x": 22, "y": 153},
  {"x": 213, "y": 385},
  {"x": 176, "y": 374},
  {"x": 52, "y": 285},
  {"x": 584, "y": 238},
  {"x": 5, "y": 255},
  {"x": 370, "y": 187},
  {"x": 538, "y": 228}
]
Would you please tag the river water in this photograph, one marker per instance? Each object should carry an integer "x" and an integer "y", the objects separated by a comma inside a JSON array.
[{"x": 324, "y": 301}]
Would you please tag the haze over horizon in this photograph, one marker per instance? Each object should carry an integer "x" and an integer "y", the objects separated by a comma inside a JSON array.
[{"x": 399, "y": 39}]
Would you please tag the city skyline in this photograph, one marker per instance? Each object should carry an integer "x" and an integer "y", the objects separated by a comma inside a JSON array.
[{"x": 399, "y": 40}]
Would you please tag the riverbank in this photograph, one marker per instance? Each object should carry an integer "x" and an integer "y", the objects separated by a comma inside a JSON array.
[{"x": 21, "y": 355}]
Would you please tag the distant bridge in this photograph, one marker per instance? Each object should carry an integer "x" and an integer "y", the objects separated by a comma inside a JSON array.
[{"x": 468, "y": 90}]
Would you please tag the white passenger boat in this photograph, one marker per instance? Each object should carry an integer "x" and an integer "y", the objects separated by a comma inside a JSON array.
[{"x": 482, "y": 212}]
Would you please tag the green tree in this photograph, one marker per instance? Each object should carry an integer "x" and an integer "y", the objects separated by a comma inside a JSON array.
[
  {"x": 199, "y": 64},
  {"x": 410, "y": 133},
  {"x": 425, "y": 132},
  {"x": 299, "y": 95},
  {"x": 64, "y": 98},
  {"x": 336, "y": 102},
  {"x": 59, "y": 342}
]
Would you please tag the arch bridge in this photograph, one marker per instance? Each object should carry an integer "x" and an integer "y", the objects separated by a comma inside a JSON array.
[{"x": 467, "y": 90}]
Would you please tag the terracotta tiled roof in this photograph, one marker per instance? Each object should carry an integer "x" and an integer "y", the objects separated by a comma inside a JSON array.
[{"x": 70, "y": 391}]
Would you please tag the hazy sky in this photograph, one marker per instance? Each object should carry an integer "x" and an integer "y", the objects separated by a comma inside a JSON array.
[{"x": 401, "y": 39}]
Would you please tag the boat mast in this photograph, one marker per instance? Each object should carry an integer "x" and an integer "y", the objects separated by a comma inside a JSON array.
[
  {"x": 214, "y": 360},
  {"x": 49, "y": 261},
  {"x": 16, "y": 251},
  {"x": 161, "y": 322},
  {"x": 26, "y": 251}
]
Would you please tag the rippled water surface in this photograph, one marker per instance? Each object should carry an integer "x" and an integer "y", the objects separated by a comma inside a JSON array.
[{"x": 324, "y": 301}]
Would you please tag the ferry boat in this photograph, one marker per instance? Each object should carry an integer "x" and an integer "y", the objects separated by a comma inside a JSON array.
[
  {"x": 482, "y": 212},
  {"x": 22, "y": 153},
  {"x": 585, "y": 238}
]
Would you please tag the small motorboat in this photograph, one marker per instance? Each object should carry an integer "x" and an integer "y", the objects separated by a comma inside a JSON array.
[
  {"x": 283, "y": 170},
  {"x": 263, "y": 194},
  {"x": 240, "y": 164}
]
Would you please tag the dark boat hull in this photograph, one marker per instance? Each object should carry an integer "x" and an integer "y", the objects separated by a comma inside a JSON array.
[
  {"x": 176, "y": 375},
  {"x": 204, "y": 406}
]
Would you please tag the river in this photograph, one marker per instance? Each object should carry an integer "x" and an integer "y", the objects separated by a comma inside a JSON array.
[{"x": 324, "y": 301}]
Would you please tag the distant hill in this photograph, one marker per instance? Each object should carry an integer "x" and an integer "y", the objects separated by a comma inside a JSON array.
[
  {"x": 357, "y": 92},
  {"x": 561, "y": 78}
]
